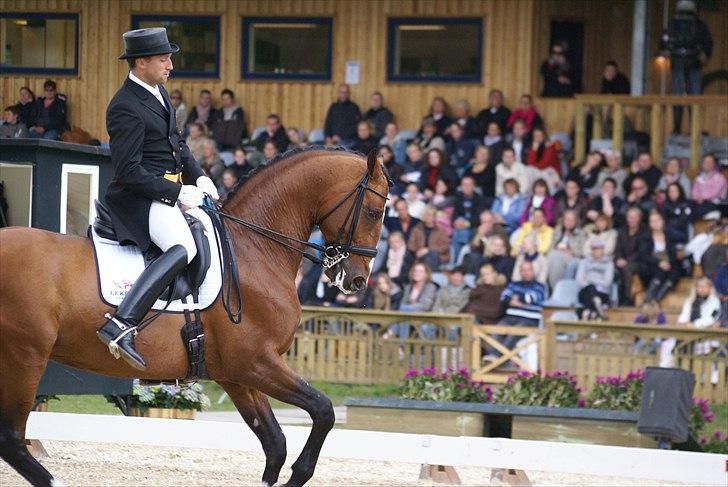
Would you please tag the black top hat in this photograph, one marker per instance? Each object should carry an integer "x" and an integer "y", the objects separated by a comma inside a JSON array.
[{"x": 147, "y": 42}]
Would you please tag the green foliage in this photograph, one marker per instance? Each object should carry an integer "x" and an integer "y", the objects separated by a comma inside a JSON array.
[
  {"x": 557, "y": 389},
  {"x": 617, "y": 393},
  {"x": 453, "y": 385}
]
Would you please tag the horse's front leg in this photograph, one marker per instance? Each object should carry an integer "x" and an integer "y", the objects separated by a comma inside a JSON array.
[
  {"x": 255, "y": 409},
  {"x": 272, "y": 376}
]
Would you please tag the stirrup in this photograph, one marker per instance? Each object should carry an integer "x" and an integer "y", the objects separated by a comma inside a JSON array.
[{"x": 113, "y": 347}]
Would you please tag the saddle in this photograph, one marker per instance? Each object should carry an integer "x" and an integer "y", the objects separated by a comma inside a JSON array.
[{"x": 188, "y": 281}]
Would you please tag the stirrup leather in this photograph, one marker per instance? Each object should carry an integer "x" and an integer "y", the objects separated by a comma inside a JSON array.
[{"x": 113, "y": 347}]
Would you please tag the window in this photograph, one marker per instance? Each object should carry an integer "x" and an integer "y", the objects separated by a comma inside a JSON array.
[
  {"x": 18, "y": 181},
  {"x": 445, "y": 50},
  {"x": 198, "y": 39},
  {"x": 286, "y": 48},
  {"x": 79, "y": 189},
  {"x": 39, "y": 43}
]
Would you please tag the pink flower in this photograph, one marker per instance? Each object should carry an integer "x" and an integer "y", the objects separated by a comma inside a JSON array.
[
  {"x": 431, "y": 372},
  {"x": 581, "y": 403},
  {"x": 410, "y": 374},
  {"x": 716, "y": 435}
]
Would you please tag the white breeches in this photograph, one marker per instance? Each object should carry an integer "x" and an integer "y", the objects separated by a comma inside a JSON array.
[{"x": 168, "y": 227}]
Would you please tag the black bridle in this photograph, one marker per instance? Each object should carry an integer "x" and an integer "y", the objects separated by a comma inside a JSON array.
[{"x": 332, "y": 252}]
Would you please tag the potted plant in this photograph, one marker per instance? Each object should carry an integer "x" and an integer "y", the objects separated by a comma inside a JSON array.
[{"x": 176, "y": 401}]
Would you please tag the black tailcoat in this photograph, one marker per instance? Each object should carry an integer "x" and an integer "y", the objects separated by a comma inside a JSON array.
[{"x": 145, "y": 145}]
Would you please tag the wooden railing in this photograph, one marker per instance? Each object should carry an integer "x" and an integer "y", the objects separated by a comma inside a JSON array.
[
  {"x": 532, "y": 345},
  {"x": 657, "y": 106}
]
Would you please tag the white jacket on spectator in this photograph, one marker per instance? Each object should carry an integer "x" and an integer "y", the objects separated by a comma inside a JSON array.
[{"x": 709, "y": 312}]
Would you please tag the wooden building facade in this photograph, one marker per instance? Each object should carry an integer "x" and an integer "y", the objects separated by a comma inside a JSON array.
[{"x": 516, "y": 39}]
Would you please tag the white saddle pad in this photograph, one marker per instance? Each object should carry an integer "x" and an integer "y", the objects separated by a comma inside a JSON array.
[{"x": 119, "y": 267}]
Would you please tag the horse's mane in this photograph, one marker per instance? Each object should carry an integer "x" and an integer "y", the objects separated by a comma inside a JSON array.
[{"x": 264, "y": 166}]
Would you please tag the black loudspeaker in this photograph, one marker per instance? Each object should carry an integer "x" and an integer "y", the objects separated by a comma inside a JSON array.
[{"x": 666, "y": 403}]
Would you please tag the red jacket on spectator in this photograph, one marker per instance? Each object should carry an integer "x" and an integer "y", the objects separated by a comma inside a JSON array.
[
  {"x": 548, "y": 157},
  {"x": 528, "y": 116}
]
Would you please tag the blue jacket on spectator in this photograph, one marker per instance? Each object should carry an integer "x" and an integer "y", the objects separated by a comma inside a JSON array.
[
  {"x": 531, "y": 294},
  {"x": 514, "y": 211}
]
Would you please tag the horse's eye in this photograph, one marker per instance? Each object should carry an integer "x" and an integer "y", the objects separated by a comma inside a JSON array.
[{"x": 373, "y": 214}]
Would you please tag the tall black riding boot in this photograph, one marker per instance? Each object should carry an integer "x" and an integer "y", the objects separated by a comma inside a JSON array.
[
  {"x": 118, "y": 332},
  {"x": 652, "y": 290},
  {"x": 666, "y": 286}
]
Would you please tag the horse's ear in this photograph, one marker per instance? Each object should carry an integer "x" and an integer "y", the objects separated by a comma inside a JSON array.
[{"x": 372, "y": 162}]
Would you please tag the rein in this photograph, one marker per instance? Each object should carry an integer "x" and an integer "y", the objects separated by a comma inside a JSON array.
[{"x": 332, "y": 252}]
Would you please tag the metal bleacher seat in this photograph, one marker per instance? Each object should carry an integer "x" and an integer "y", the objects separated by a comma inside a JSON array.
[
  {"x": 565, "y": 294},
  {"x": 316, "y": 136}
]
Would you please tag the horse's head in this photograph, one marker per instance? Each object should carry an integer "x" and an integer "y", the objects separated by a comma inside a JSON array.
[{"x": 352, "y": 227}]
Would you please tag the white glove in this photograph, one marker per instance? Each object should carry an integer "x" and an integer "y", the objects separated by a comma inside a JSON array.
[
  {"x": 207, "y": 186},
  {"x": 190, "y": 196}
]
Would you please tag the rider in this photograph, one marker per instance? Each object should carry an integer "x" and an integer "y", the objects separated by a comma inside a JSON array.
[{"x": 155, "y": 178}]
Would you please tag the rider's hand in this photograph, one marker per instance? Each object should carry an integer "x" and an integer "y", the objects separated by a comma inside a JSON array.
[
  {"x": 190, "y": 196},
  {"x": 207, "y": 186}
]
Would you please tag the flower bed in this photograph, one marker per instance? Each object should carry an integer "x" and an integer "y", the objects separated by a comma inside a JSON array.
[{"x": 169, "y": 400}]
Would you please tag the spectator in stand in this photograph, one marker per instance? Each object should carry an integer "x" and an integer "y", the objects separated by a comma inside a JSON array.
[
  {"x": 454, "y": 296},
  {"x": 274, "y": 132},
  {"x": 673, "y": 174},
  {"x": 196, "y": 139},
  {"x": 709, "y": 187},
  {"x": 203, "y": 112},
  {"x": 364, "y": 142},
  {"x": 211, "y": 162},
  {"x": 607, "y": 203},
  {"x": 49, "y": 114},
  {"x": 228, "y": 125},
  {"x": 26, "y": 104},
  {"x": 229, "y": 180},
  {"x": 462, "y": 117},
  {"x": 587, "y": 173},
  {"x": 509, "y": 206},
  {"x": 482, "y": 170},
  {"x": 571, "y": 198},
  {"x": 520, "y": 140},
  {"x": 659, "y": 269},
  {"x": 270, "y": 151},
  {"x": 639, "y": 196},
  {"x": 428, "y": 242},
  {"x": 240, "y": 165},
  {"x": 529, "y": 253},
  {"x": 602, "y": 229},
  {"x": 378, "y": 115},
  {"x": 484, "y": 300},
  {"x": 393, "y": 169},
  {"x": 627, "y": 254},
  {"x": 466, "y": 215},
  {"x": 414, "y": 162},
  {"x": 13, "y": 128},
  {"x": 523, "y": 302},
  {"x": 459, "y": 148},
  {"x": 439, "y": 113},
  {"x": 678, "y": 213},
  {"x": 429, "y": 137},
  {"x": 537, "y": 227},
  {"x": 487, "y": 228},
  {"x": 322, "y": 294},
  {"x": 418, "y": 296},
  {"x": 702, "y": 309},
  {"x": 614, "y": 82},
  {"x": 613, "y": 170},
  {"x": 384, "y": 295},
  {"x": 341, "y": 118},
  {"x": 444, "y": 201},
  {"x": 415, "y": 201},
  {"x": 399, "y": 260},
  {"x": 398, "y": 145},
  {"x": 539, "y": 200},
  {"x": 296, "y": 140},
  {"x": 526, "y": 113},
  {"x": 437, "y": 168},
  {"x": 509, "y": 168},
  {"x": 556, "y": 74},
  {"x": 543, "y": 160},
  {"x": 180, "y": 109},
  {"x": 403, "y": 222},
  {"x": 595, "y": 274},
  {"x": 496, "y": 254},
  {"x": 642, "y": 167},
  {"x": 567, "y": 248},
  {"x": 493, "y": 140},
  {"x": 495, "y": 112}
]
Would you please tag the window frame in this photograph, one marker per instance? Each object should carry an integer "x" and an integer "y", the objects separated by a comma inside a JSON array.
[
  {"x": 394, "y": 22},
  {"x": 190, "y": 19},
  {"x": 46, "y": 71},
  {"x": 86, "y": 169},
  {"x": 247, "y": 22}
]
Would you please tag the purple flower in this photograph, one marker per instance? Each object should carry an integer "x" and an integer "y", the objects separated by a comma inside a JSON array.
[
  {"x": 600, "y": 379},
  {"x": 431, "y": 372},
  {"x": 581, "y": 403},
  {"x": 578, "y": 389},
  {"x": 703, "y": 441},
  {"x": 464, "y": 372},
  {"x": 461, "y": 386},
  {"x": 411, "y": 373},
  {"x": 716, "y": 435},
  {"x": 523, "y": 374}
]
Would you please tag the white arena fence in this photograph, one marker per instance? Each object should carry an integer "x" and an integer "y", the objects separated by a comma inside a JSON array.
[{"x": 642, "y": 463}]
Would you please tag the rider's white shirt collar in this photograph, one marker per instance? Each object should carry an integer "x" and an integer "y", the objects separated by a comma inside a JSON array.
[{"x": 154, "y": 90}]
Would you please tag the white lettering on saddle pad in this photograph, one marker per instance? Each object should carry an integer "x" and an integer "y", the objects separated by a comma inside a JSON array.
[{"x": 119, "y": 267}]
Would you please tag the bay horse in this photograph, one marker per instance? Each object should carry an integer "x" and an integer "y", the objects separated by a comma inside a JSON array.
[{"x": 50, "y": 305}]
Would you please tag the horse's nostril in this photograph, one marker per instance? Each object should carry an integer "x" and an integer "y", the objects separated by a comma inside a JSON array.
[{"x": 359, "y": 283}]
